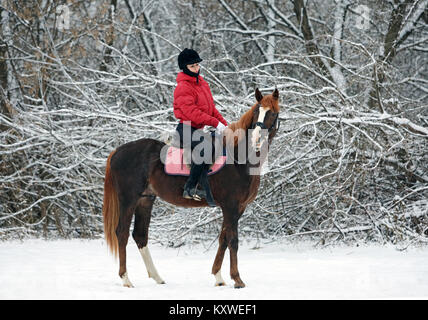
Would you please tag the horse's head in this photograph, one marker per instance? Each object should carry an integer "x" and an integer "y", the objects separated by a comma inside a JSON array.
[{"x": 265, "y": 116}]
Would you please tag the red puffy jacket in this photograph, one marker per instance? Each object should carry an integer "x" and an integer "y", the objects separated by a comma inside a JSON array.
[{"x": 194, "y": 102}]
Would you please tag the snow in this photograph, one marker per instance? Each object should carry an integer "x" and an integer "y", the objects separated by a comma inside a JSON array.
[
  {"x": 83, "y": 269},
  {"x": 409, "y": 22}
]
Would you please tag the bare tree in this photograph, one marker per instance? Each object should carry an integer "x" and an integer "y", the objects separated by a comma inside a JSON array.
[{"x": 350, "y": 160}]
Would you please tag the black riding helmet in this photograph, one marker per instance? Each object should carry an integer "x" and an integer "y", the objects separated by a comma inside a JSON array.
[{"x": 188, "y": 56}]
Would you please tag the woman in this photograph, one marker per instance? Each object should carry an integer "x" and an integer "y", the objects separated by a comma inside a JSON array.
[{"x": 194, "y": 106}]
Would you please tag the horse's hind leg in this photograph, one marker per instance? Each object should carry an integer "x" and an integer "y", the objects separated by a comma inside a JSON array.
[
  {"x": 122, "y": 233},
  {"x": 141, "y": 233}
]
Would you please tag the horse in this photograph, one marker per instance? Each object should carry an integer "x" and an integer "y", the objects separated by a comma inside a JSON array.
[{"x": 135, "y": 177}]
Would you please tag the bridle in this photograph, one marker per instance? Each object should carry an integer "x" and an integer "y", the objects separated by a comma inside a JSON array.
[{"x": 276, "y": 123}]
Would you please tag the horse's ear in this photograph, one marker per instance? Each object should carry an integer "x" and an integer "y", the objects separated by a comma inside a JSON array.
[
  {"x": 275, "y": 94},
  {"x": 259, "y": 95}
]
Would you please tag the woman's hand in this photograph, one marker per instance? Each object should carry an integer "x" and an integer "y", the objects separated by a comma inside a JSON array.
[{"x": 220, "y": 128}]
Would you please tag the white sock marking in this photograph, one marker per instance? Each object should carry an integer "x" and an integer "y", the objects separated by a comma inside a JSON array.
[
  {"x": 151, "y": 270},
  {"x": 125, "y": 280},
  {"x": 219, "y": 279}
]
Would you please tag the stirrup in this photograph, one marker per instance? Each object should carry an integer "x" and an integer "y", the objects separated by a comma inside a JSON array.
[
  {"x": 199, "y": 193},
  {"x": 197, "y": 197},
  {"x": 194, "y": 194}
]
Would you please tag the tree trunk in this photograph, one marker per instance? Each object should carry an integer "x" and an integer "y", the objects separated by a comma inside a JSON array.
[
  {"x": 107, "y": 58},
  {"x": 388, "y": 53},
  {"x": 8, "y": 87}
]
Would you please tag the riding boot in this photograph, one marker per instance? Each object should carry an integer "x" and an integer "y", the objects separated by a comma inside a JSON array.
[
  {"x": 203, "y": 180},
  {"x": 199, "y": 194},
  {"x": 190, "y": 191}
]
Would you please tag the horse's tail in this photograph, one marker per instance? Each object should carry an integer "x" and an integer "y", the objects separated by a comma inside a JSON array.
[{"x": 110, "y": 209}]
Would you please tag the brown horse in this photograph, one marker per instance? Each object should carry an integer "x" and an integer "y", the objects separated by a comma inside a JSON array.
[{"x": 135, "y": 177}]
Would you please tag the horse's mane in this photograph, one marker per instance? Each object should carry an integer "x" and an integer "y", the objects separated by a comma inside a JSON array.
[
  {"x": 245, "y": 121},
  {"x": 238, "y": 128}
]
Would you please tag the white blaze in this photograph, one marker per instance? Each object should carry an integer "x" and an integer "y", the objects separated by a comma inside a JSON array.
[{"x": 255, "y": 138}]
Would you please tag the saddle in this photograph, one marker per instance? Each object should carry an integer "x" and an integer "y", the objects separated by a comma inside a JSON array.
[{"x": 177, "y": 162}]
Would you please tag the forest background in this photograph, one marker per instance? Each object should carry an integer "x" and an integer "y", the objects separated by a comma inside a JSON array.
[{"x": 349, "y": 164}]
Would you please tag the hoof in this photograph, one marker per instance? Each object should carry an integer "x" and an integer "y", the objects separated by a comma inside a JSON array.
[
  {"x": 125, "y": 281},
  {"x": 220, "y": 284},
  {"x": 239, "y": 285},
  {"x": 157, "y": 279}
]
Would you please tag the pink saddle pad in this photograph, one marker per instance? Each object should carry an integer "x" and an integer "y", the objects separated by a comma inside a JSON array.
[{"x": 174, "y": 164}]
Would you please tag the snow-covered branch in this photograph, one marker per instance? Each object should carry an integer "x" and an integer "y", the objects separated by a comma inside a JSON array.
[{"x": 349, "y": 162}]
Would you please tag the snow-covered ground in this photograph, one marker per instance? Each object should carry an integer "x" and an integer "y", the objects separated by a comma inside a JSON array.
[{"x": 83, "y": 269}]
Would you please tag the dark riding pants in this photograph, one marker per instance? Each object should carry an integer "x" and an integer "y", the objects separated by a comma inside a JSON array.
[{"x": 203, "y": 140}]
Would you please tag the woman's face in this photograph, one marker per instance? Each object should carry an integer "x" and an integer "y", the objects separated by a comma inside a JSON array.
[{"x": 194, "y": 67}]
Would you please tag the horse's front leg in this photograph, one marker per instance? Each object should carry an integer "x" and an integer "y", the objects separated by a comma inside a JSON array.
[
  {"x": 232, "y": 236},
  {"x": 228, "y": 239},
  {"x": 222, "y": 246}
]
